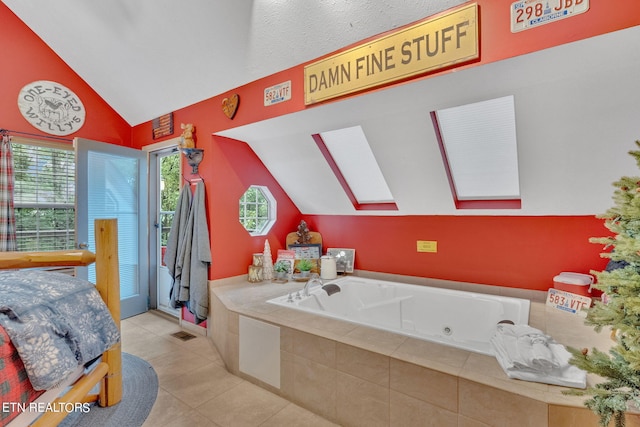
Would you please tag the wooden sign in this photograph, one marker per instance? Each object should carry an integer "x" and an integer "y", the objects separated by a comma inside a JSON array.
[
  {"x": 162, "y": 126},
  {"x": 51, "y": 107},
  {"x": 429, "y": 45},
  {"x": 230, "y": 105}
]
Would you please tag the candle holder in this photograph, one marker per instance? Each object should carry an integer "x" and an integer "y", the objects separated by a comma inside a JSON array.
[{"x": 255, "y": 274}]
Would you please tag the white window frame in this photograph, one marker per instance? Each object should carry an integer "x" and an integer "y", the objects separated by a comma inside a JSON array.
[{"x": 269, "y": 219}]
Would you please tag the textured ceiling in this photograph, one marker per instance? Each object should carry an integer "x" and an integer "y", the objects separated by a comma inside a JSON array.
[{"x": 150, "y": 57}]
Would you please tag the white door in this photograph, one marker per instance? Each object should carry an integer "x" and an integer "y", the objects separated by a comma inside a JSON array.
[
  {"x": 164, "y": 188},
  {"x": 112, "y": 183}
]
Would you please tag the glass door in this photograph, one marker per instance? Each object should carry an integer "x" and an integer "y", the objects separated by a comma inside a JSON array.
[
  {"x": 112, "y": 183},
  {"x": 164, "y": 189}
]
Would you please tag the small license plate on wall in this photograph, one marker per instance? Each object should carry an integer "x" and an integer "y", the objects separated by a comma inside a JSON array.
[{"x": 527, "y": 14}]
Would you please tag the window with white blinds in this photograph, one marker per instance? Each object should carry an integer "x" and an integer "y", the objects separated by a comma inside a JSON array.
[
  {"x": 44, "y": 196},
  {"x": 479, "y": 146}
]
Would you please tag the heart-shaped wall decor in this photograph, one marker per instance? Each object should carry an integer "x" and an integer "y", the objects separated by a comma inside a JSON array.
[{"x": 230, "y": 105}]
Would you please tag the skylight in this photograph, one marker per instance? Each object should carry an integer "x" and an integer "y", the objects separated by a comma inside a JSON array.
[
  {"x": 349, "y": 154},
  {"x": 478, "y": 144}
]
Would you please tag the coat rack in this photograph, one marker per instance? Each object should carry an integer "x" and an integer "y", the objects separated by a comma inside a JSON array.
[
  {"x": 188, "y": 146},
  {"x": 194, "y": 157}
]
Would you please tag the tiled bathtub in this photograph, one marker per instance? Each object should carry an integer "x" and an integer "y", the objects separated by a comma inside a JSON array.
[{"x": 355, "y": 375}]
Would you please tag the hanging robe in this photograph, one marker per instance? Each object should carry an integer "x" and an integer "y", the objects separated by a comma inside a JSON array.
[
  {"x": 175, "y": 243},
  {"x": 200, "y": 257}
]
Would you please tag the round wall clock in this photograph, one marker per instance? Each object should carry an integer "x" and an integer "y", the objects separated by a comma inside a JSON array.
[{"x": 51, "y": 107}]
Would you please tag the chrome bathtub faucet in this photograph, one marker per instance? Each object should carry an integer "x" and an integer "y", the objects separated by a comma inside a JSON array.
[{"x": 305, "y": 290}]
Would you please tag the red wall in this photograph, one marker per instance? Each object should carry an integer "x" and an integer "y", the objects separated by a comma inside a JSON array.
[
  {"x": 513, "y": 251},
  {"x": 228, "y": 168},
  {"x": 523, "y": 252},
  {"x": 237, "y": 167},
  {"x": 27, "y": 59}
]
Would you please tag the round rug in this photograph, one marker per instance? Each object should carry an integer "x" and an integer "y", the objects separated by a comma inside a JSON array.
[{"x": 139, "y": 392}]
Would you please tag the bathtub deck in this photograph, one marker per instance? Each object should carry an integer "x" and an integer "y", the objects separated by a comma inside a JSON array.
[{"x": 322, "y": 359}]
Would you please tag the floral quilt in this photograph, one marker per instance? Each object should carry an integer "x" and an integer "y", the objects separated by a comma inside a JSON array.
[{"x": 56, "y": 322}]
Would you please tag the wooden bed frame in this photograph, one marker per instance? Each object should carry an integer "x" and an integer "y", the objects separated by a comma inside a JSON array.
[{"x": 109, "y": 371}]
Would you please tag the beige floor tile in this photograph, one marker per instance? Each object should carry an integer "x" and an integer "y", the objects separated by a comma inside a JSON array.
[
  {"x": 191, "y": 374},
  {"x": 147, "y": 345},
  {"x": 243, "y": 405},
  {"x": 158, "y": 324},
  {"x": 204, "y": 348},
  {"x": 201, "y": 384},
  {"x": 166, "y": 408},
  {"x": 191, "y": 419},
  {"x": 172, "y": 366},
  {"x": 294, "y": 416}
]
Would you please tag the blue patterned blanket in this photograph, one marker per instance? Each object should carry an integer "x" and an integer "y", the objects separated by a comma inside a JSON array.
[{"x": 55, "y": 321}]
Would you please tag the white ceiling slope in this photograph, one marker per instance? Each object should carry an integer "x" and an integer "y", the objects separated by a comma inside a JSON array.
[
  {"x": 147, "y": 58},
  {"x": 577, "y": 114}
]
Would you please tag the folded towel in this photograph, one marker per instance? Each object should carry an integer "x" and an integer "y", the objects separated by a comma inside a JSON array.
[
  {"x": 535, "y": 353},
  {"x": 520, "y": 331},
  {"x": 527, "y": 354},
  {"x": 540, "y": 356}
]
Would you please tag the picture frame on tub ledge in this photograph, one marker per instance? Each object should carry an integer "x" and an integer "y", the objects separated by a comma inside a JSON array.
[
  {"x": 308, "y": 251},
  {"x": 345, "y": 259}
]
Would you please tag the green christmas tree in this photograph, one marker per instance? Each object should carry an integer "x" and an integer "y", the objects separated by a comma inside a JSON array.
[{"x": 619, "y": 310}]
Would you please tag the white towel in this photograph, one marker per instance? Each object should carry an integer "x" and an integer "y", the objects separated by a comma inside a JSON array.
[
  {"x": 540, "y": 355},
  {"x": 527, "y": 354}
]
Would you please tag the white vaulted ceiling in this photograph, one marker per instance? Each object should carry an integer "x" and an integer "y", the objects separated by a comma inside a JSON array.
[{"x": 147, "y": 58}]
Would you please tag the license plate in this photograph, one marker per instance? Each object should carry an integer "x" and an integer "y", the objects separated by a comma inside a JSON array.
[
  {"x": 568, "y": 302},
  {"x": 527, "y": 14}
]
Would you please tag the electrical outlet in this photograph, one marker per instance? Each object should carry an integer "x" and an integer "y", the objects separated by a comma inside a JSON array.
[{"x": 427, "y": 246}]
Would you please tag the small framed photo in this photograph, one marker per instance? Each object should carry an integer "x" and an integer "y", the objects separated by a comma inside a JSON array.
[
  {"x": 345, "y": 259},
  {"x": 283, "y": 267},
  {"x": 306, "y": 251}
]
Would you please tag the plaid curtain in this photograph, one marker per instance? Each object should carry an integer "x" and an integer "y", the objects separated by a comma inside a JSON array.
[{"x": 7, "y": 215}]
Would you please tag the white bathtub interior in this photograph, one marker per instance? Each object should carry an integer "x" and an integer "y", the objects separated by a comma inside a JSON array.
[{"x": 460, "y": 319}]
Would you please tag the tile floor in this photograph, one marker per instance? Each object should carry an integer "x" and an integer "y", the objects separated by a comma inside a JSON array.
[{"x": 195, "y": 388}]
